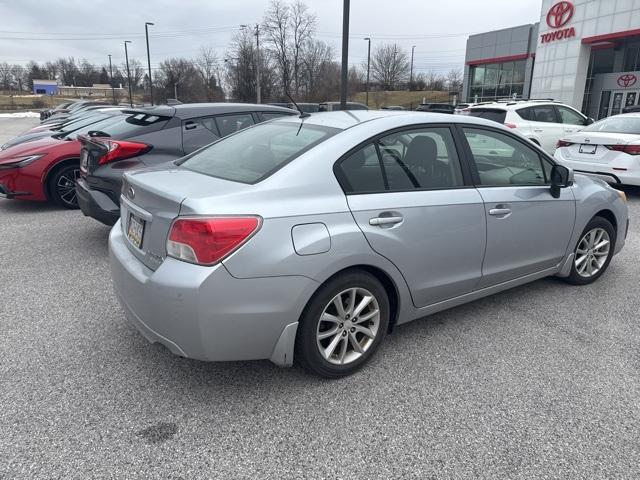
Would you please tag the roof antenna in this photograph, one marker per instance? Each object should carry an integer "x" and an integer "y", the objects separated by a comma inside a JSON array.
[{"x": 302, "y": 113}]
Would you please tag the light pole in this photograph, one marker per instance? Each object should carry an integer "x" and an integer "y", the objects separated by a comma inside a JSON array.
[
  {"x": 345, "y": 55},
  {"x": 257, "y": 35},
  {"x": 126, "y": 56},
  {"x": 113, "y": 92},
  {"x": 368, "y": 39},
  {"x": 146, "y": 32},
  {"x": 411, "y": 74}
]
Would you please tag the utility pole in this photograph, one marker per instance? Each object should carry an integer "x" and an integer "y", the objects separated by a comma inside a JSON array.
[
  {"x": 258, "y": 96},
  {"x": 368, "y": 39},
  {"x": 146, "y": 32},
  {"x": 113, "y": 92},
  {"x": 175, "y": 91},
  {"x": 411, "y": 74},
  {"x": 345, "y": 55},
  {"x": 126, "y": 56}
]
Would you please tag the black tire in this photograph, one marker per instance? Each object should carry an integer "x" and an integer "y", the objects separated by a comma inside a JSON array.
[
  {"x": 307, "y": 347},
  {"x": 576, "y": 278},
  {"x": 62, "y": 185}
]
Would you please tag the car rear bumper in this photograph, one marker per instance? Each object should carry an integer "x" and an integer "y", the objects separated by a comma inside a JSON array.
[
  {"x": 204, "y": 312},
  {"x": 96, "y": 204},
  {"x": 625, "y": 171}
]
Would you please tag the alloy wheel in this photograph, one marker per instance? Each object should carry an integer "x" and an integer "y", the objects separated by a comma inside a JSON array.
[
  {"x": 348, "y": 326},
  {"x": 66, "y": 186},
  {"x": 592, "y": 252}
]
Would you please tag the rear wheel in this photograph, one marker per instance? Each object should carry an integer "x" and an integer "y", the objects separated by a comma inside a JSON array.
[
  {"x": 343, "y": 325},
  {"x": 62, "y": 186},
  {"x": 593, "y": 252}
]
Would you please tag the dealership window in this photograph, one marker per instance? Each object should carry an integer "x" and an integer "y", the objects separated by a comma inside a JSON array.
[
  {"x": 632, "y": 57},
  {"x": 497, "y": 80}
]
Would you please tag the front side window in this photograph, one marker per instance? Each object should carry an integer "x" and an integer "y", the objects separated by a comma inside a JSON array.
[
  {"x": 419, "y": 159},
  {"x": 254, "y": 154},
  {"x": 502, "y": 160},
  {"x": 569, "y": 116}
]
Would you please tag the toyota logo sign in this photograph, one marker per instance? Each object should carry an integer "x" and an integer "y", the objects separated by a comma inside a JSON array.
[
  {"x": 560, "y": 14},
  {"x": 627, "y": 80}
]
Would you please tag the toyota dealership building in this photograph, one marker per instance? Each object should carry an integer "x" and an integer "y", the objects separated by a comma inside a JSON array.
[{"x": 585, "y": 53}]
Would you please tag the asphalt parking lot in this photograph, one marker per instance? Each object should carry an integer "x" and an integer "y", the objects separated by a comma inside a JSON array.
[{"x": 539, "y": 382}]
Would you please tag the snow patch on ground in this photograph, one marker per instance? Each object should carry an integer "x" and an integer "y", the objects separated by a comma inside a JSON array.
[{"x": 20, "y": 115}]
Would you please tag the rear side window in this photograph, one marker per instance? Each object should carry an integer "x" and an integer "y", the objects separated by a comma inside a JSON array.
[
  {"x": 527, "y": 114},
  {"x": 228, "y": 124},
  {"x": 419, "y": 159},
  {"x": 545, "y": 113},
  {"x": 252, "y": 155},
  {"x": 494, "y": 114}
]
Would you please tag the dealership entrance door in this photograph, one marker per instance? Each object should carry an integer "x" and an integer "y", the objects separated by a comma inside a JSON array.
[{"x": 613, "y": 101}]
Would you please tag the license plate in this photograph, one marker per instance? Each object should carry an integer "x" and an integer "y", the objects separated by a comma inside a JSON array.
[
  {"x": 590, "y": 149},
  {"x": 135, "y": 230}
]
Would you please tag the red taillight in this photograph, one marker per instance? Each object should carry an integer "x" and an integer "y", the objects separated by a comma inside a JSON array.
[
  {"x": 563, "y": 143},
  {"x": 206, "y": 241},
  {"x": 511, "y": 125},
  {"x": 121, "y": 149},
  {"x": 628, "y": 149}
]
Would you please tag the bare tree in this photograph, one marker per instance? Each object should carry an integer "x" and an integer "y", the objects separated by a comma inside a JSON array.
[
  {"x": 302, "y": 25},
  {"x": 454, "y": 80},
  {"x": 208, "y": 66},
  {"x": 390, "y": 66},
  {"x": 6, "y": 76}
]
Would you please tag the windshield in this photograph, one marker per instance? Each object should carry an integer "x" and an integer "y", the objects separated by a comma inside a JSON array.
[
  {"x": 253, "y": 154},
  {"x": 616, "y": 125}
]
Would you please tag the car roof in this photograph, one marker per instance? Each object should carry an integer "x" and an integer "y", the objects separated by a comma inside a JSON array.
[
  {"x": 191, "y": 110},
  {"x": 516, "y": 104},
  {"x": 345, "y": 119}
]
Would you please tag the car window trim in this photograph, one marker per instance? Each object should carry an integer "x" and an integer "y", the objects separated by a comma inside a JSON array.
[
  {"x": 466, "y": 172},
  {"x": 542, "y": 155}
]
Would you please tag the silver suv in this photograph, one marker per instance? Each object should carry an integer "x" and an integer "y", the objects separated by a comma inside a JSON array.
[{"x": 311, "y": 238}]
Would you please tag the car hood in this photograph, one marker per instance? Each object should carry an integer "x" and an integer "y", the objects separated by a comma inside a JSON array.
[{"x": 35, "y": 147}]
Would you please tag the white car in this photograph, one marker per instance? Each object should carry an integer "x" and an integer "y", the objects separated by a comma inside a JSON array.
[
  {"x": 609, "y": 149},
  {"x": 544, "y": 122}
]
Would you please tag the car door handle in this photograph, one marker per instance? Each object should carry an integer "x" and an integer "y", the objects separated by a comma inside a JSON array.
[
  {"x": 538, "y": 130},
  {"x": 497, "y": 212},
  {"x": 378, "y": 221}
]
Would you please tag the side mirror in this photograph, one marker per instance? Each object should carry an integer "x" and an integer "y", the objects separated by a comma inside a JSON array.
[
  {"x": 561, "y": 177},
  {"x": 589, "y": 121}
]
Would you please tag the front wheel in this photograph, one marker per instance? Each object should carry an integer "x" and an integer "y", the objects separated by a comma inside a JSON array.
[
  {"x": 593, "y": 252},
  {"x": 343, "y": 325},
  {"x": 62, "y": 186}
]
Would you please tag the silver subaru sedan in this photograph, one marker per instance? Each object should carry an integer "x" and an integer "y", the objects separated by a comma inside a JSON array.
[{"x": 310, "y": 239}]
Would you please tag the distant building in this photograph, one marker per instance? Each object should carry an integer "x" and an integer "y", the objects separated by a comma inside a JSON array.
[{"x": 45, "y": 87}]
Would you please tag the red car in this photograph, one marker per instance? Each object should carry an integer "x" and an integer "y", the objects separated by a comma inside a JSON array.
[{"x": 46, "y": 169}]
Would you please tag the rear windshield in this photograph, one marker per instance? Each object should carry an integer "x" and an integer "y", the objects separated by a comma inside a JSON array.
[
  {"x": 494, "y": 114},
  {"x": 616, "y": 125},
  {"x": 255, "y": 153},
  {"x": 124, "y": 126}
]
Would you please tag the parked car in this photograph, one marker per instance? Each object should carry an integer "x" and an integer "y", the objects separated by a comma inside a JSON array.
[
  {"x": 393, "y": 107},
  {"x": 63, "y": 129},
  {"x": 609, "y": 149},
  {"x": 47, "y": 113},
  {"x": 543, "y": 122},
  {"x": 310, "y": 239},
  {"x": 175, "y": 131},
  {"x": 333, "y": 106},
  {"x": 436, "y": 108},
  {"x": 46, "y": 169},
  {"x": 631, "y": 109},
  {"x": 64, "y": 116}
]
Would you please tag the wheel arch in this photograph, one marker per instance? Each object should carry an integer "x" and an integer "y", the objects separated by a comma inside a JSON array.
[
  {"x": 383, "y": 277},
  {"x": 52, "y": 170},
  {"x": 610, "y": 216}
]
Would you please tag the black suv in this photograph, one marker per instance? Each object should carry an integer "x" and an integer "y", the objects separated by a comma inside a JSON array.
[{"x": 151, "y": 136}]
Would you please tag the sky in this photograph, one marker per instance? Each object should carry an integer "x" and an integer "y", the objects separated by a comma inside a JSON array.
[{"x": 44, "y": 30}]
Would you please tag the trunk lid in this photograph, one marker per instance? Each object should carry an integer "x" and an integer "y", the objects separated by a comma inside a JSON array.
[
  {"x": 584, "y": 143},
  {"x": 155, "y": 196}
]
